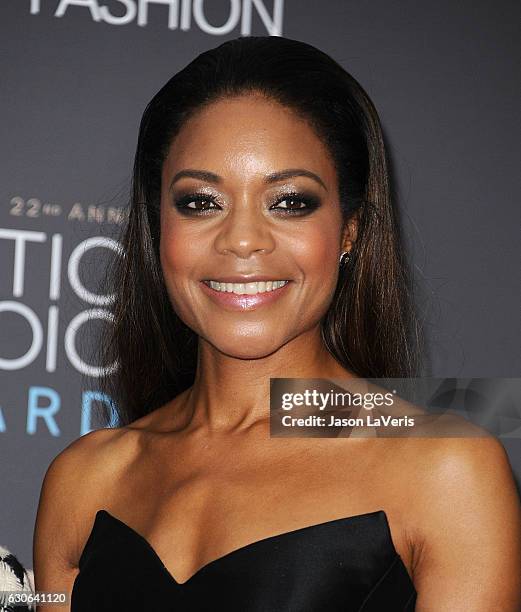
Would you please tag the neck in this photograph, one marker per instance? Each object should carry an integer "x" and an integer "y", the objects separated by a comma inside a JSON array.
[{"x": 231, "y": 395}]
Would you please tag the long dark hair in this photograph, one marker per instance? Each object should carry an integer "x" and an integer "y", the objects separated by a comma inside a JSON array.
[{"x": 370, "y": 328}]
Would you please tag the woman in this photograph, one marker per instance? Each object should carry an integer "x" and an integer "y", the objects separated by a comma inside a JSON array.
[{"x": 258, "y": 167}]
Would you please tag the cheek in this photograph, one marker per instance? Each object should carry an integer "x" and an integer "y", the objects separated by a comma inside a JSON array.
[
  {"x": 171, "y": 257},
  {"x": 317, "y": 253},
  {"x": 177, "y": 262},
  {"x": 178, "y": 250},
  {"x": 178, "y": 255},
  {"x": 316, "y": 257}
]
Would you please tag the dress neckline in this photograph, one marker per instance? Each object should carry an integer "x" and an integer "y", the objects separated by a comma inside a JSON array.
[{"x": 104, "y": 515}]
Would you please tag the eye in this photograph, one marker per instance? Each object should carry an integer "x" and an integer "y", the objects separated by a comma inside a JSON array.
[
  {"x": 289, "y": 204},
  {"x": 295, "y": 203},
  {"x": 196, "y": 204}
]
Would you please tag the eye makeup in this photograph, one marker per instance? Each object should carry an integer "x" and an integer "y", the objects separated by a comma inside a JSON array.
[{"x": 287, "y": 203}]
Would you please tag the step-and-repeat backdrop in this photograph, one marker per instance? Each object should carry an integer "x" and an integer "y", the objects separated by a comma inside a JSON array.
[{"x": 75, "y": 78}]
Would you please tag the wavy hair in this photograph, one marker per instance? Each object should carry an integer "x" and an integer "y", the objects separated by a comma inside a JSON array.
[{"x": 370, "y": 327}]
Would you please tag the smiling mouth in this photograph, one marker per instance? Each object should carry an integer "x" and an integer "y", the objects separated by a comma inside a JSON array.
[{"x": 252, "y": 288}]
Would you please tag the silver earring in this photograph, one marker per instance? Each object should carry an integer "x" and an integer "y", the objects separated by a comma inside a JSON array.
[{"x": 344, "y": 258}]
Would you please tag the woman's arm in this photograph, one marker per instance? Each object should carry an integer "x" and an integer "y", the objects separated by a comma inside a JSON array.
[
  {"x": 470, "y": 546},
  {"x": 61, "y": 524},
  {"x": 54, "y": 532}
]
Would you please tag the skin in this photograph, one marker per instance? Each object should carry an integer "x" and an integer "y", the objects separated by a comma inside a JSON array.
[{"x": 209, "y": 477}]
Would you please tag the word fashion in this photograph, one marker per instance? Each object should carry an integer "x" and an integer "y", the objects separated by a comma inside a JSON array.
[{"x": 180, "y": 14}]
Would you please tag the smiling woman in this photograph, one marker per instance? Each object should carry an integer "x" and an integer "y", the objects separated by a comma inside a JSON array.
[{"x": 263, "y": 242}]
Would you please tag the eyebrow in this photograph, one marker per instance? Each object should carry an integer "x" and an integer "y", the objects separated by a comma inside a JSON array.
[{"x": 274, "y": 177}]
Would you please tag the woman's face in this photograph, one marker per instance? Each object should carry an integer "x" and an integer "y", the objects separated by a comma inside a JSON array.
[{"x": 233, "y": 176}]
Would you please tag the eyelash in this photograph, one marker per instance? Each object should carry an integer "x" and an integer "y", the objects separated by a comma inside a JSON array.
[{"x": 311, "y": 203}]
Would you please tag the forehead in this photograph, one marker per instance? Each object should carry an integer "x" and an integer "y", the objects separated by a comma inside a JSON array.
[{"x": 247, "y": 136}]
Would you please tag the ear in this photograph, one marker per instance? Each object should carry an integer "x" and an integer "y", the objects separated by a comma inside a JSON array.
[{"x": 350, "y": 232}]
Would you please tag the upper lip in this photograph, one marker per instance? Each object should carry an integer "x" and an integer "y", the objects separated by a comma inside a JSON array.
[{"x": 239, "y": 278}]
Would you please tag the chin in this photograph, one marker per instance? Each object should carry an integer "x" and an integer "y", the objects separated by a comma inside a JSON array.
[{"x": 241, "y": 347}]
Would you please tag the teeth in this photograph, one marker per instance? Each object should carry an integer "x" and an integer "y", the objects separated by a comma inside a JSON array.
[{"x": 247, "y": 288}]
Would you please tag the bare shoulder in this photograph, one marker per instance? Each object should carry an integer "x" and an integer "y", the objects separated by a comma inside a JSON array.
[
  {"x": 74, "y": 484},
  {"x": 464, "y": 498},
  {"x": 80, "y": 464},
  {"x": 475, "y": 463},
  {"x": 76, "y": 478},
  {"x": 472, "y": 476}
]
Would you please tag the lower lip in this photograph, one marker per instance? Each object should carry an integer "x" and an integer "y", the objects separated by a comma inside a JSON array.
[{"x": 243, "y": 301}]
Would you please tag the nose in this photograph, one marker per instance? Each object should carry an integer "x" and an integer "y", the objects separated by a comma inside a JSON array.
[{"x": 244, "y": 231}]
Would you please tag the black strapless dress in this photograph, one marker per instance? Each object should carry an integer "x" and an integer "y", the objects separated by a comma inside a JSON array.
[{"x": 348, "y": 564}]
